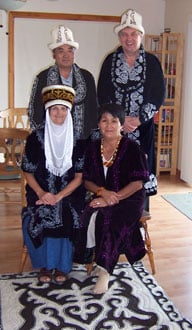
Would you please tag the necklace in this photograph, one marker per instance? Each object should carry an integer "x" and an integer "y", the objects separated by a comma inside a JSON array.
[{"x": 109, "y": 162}]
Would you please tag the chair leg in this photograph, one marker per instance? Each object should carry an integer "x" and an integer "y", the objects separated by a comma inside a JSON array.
[
  {"x": 148, "y": 245},
  {"x": 23, "y": 258}
]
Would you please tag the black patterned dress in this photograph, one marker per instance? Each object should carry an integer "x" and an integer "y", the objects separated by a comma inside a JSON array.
[{"x": 48, "y": 230}]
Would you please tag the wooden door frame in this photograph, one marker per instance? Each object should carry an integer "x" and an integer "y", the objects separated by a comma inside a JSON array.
[{"x": 40, "y": 15}]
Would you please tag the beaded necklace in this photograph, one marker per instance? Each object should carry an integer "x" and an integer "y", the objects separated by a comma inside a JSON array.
[{"x": 109, "y": 162}]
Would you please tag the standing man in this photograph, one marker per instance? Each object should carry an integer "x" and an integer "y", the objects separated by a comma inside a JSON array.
[
  {"x": 66, "y": 72},
  {"x": 134, "y": 79}
]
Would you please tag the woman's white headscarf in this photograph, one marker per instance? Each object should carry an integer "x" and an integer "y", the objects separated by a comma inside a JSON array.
[
  {"x": 58, "y": 145},
  {"x": 58, "y": 139}
]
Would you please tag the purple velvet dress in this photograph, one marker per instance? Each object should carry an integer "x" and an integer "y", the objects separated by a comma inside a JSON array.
[{"x": 117, "y": 228}]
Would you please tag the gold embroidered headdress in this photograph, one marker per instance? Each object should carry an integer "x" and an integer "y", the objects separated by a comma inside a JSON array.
[{"x": 58, "y": 94}]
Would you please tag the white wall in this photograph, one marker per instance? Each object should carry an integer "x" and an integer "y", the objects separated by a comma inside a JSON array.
[
  {"x": 153, "y": 21},
  {"x": 178, "y": 16}
]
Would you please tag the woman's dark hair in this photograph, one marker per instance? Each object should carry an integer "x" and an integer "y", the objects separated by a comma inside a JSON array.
[{"x": 115, "y": 110}]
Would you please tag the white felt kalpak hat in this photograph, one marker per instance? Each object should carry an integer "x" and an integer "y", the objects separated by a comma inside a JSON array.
[
  {"x": 62, "y": 35},
  {"x": 58, "y": 94},
  {"x": 130, "y": 19}
]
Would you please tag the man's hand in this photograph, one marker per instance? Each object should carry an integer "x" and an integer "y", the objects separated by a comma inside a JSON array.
[{"x": 130, "y": 124}]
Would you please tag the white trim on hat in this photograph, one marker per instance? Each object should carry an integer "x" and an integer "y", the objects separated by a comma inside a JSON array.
[
  {"x": 55, "y": 102},
  {"x": 73, "y": 44}
]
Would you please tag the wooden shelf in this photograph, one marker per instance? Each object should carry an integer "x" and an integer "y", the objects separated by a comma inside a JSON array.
[{"x": 168, "y": 47}]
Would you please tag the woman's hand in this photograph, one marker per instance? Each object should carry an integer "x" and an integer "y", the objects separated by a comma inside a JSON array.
[
  {"x": 101, "y": 202},
  {"x": 110, "y": 197},
  {"x": 98, "y": 202},
  {"x": 47, "y": 199}
]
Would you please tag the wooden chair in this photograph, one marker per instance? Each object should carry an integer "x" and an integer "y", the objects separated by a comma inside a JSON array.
[
  {"x": 24, "y": 255},
  {"x": 24, "y": 252},
  {"x": 147, "y": 240},
  {"x": 15, "y": 118},
  {"x": 12, "y": 143},
  {"x": 148, "y": 246}
]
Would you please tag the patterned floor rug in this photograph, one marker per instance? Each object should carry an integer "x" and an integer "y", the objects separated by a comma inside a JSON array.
[
  {"x": 134, "y": 301},
  {"x": 182, "y": 202}
]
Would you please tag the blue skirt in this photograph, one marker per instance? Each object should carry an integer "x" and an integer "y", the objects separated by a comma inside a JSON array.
[{"x": 54, "y": 253}]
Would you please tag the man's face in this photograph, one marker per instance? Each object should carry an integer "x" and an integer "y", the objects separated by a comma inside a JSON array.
[
  {"x": 130, "y": 40},
  {"x": 64, "y": 56}
]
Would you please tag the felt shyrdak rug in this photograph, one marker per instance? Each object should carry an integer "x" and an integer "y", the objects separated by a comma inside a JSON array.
[
  {"x": 134, "y": 301},
  {"x": 182, "y": 202}
]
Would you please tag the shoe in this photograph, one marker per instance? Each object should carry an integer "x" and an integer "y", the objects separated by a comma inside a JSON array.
[
  {"x": 59, "y": 277},
  {"x": 45, "y": 275}
]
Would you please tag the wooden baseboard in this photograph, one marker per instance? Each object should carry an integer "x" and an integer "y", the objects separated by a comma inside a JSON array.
[{"x": 178, "y": 173}]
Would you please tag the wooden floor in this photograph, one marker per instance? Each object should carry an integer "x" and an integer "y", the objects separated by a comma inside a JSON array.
[{"x": 170, "y": 231}]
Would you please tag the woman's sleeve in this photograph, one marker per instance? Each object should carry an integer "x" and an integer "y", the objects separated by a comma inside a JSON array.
[
  {"x": 30, "y": 155},
  {"x": 90, "y": 169},
  {"x": 79, "y": 155},
  {"x": 137, "y": 168}
]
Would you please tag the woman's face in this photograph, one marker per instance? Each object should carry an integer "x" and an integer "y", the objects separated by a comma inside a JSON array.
[
  {"x": 58, "y": 113},
  {"x": 130, "y": 40},
  {"x": 110, "y": 126}
]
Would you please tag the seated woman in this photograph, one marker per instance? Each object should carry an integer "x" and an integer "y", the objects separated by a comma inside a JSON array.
[
  {"x": 53, "y": 171},
  {"x": 114, "y": 172}
]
